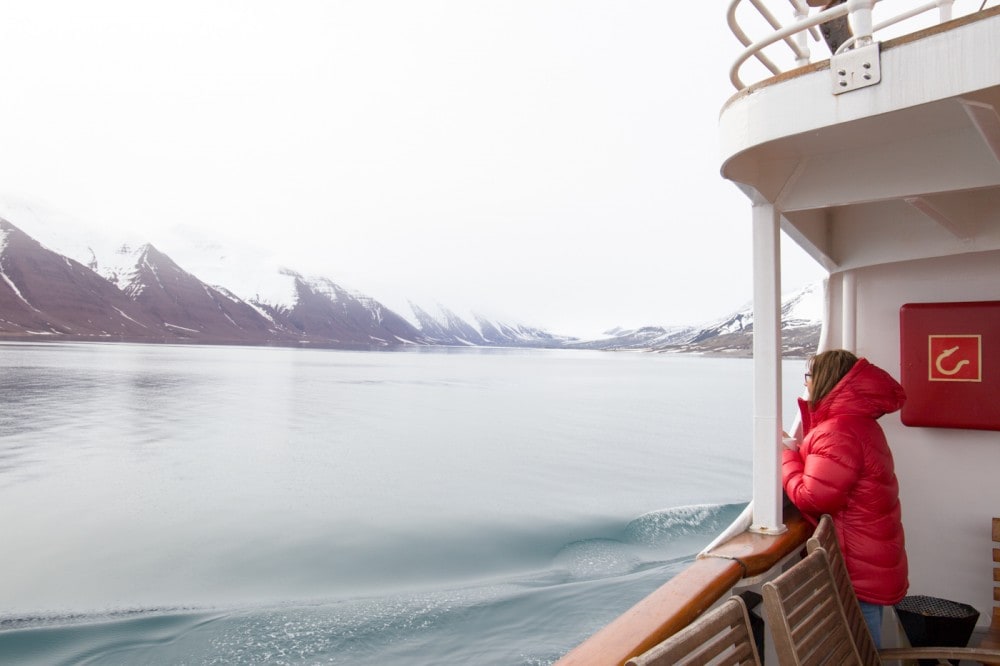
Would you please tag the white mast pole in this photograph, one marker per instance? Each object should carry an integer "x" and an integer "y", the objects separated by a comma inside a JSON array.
[
  {"x": 849, "y": 312},
  {"x": 767, "y": 514}
]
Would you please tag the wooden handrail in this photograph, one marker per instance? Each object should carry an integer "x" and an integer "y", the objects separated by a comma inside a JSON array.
[
  {"x": 679, "y": 601},
  {"x": 663, "y": 613}
]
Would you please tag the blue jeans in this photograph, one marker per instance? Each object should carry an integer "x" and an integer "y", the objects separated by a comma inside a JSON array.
[{"x": 873, "y": 618}]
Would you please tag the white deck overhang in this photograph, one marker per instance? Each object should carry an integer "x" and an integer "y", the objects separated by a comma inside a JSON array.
[
  {"x": 907, "y": 168},
  {"x": 897, "y": 151}
]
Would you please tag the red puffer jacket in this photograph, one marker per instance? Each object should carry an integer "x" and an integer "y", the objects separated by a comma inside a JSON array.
[{"x": 844, "y": 468}]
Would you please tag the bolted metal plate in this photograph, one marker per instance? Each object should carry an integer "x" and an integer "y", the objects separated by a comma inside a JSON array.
[{"x": 857, "y": 68}]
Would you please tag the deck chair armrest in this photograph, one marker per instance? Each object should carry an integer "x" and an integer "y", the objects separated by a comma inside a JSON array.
[{"x": 940, "y": 653}]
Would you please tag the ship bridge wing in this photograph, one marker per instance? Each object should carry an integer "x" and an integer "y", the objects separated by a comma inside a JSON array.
[{"x": 907, "y": 168}]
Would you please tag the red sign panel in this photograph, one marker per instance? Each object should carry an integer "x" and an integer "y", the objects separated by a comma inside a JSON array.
[
  {"x": 950, "y": 364},
  {"x": 955, "y": 358}
]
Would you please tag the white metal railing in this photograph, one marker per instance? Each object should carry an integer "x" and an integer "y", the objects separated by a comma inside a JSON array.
[{"x": 899, "y": 18}]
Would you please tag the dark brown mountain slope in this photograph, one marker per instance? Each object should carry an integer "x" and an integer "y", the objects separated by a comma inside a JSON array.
[{"x": 43, "y": 293}]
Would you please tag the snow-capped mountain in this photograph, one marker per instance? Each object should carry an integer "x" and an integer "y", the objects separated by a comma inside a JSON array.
[
  {"x": 801, "y": 317},
  {"x": 323, "y": 312},
  {"x": 503, "y": 334},
  {"x": 182, "y": 303},
  {"x": 444, "y": 327},
  {"x": 640, "y": 339},
  {"x": 46, "y": 295},
  {"x": 137, "y": 292},
  {"x": 112, "y": 290}
]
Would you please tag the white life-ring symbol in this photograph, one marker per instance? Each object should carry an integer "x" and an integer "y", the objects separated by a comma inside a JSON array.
[{"x": 945, "y": 354}]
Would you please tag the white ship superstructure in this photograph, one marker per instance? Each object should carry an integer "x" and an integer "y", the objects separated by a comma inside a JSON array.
[{"x": 882, "y": 161}]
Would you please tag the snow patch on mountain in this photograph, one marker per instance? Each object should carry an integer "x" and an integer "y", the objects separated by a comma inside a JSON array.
[
  {"x": 63, "y": 234},
  {"x": 120, "y": 267},
  {"x": 804, "y": 307},
  {"x": 248, "y": 272},
  {"x": 801, "y": 307}
]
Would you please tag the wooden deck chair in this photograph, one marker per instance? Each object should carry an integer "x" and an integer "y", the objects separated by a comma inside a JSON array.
[
  {"x": 805, "y": 616},
  {"x": 825, "y": 538},
  {"x": 991, "y": 641},
  {"x": 721, "y": 637}
]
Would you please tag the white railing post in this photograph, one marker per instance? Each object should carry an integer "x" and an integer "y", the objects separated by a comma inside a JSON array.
[
  {"x": 944, "y": 10},
  {"x": 859, "y": 14},
  {"x": 802, "y": 38},
  {"x": 767, "y": 514}
]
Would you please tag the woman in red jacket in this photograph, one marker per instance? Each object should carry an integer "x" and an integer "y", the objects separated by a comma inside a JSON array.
[{"x": 843, "y": 467}]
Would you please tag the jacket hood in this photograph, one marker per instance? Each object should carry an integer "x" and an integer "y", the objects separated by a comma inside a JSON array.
[{"x": 866, "y": 390}]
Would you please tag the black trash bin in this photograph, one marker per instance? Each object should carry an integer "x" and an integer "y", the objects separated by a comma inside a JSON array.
[{"x": 933, "y": 622}]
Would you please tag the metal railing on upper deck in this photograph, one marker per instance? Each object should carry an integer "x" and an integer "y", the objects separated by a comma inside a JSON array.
[{"x": 868, "y": 19}]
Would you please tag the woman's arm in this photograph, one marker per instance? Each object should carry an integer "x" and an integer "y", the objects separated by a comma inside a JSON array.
[{"x": 819, "y": 477}]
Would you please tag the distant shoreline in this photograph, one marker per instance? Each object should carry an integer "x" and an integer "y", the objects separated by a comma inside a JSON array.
[{"x": 68, "y": 338}]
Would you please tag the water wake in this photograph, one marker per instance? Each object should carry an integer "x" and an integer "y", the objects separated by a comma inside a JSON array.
[
  {"x": 522, "y": 616},
  {"x": 652, "y": 538}
]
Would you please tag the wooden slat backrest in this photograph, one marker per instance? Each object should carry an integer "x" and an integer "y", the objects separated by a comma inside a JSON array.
[
  {"x": 825, "y": 537},
  {"x": 996, "y": 573},
  {"x": 721, "y": 637},
  {"x": 805, "y": 615}
]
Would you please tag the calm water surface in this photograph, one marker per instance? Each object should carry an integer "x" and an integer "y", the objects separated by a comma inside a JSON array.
[{"x": 201, "y": 505}]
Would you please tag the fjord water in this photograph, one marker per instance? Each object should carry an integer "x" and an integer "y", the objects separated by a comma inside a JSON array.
[{"x": 217, "y": 505}]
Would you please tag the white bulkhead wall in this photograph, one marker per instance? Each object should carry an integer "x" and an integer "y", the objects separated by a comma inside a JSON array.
[{"x": 949, "y": 478}]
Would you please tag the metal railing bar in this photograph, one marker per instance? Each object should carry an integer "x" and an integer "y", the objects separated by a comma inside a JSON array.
[
  {"x": 740, "y": 35},
  {"x": 753, "y": 50},
  {"x": 899, "y": 18},
  {"x": 776, "y": 24},
  {"x": 799, "y": 48}
]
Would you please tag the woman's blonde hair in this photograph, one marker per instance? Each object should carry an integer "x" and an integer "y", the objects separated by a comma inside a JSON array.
[{"x": 827, "y": 369}]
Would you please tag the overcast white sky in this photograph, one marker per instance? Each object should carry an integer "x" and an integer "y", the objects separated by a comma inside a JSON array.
[{"x": 555, "y": 161}]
